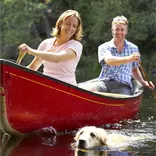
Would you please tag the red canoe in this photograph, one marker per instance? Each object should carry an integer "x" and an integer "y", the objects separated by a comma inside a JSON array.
[{"x": 31, "y": 101}]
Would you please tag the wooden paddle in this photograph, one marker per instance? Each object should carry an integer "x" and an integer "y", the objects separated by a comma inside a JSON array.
[
  {"x": 20, "y": 57},
  {"x": 146, "y": 78}
]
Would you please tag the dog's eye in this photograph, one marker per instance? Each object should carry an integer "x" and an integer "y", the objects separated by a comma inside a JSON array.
[
  {"x": 92, "y": 134},
  {"x": 81, "y": 132}
]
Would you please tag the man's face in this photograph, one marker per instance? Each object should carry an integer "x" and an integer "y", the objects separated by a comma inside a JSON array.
[{"x": 119, "y": 31}]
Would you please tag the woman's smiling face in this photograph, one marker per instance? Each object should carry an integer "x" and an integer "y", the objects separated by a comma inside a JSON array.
[{"x": 69, "y": 26}]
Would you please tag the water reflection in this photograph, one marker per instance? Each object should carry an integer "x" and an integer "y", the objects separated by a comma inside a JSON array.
[
  {"x": 8, "y": 144},
  {"x": 102, "y": 153},
  {"x": 38, "y": 145},
  {"x": 48, "y": 144}
]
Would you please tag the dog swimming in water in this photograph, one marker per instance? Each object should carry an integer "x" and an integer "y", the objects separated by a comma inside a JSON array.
[{"x": 91, "y": 137}]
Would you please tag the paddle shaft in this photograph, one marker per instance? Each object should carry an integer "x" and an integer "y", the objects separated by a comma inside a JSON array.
[
  {"x": 146, "y": 78},
  {"x": 20, "y": 57}
]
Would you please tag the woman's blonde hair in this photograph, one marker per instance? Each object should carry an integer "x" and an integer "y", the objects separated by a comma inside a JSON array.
[{"x": 56, "y": 31}]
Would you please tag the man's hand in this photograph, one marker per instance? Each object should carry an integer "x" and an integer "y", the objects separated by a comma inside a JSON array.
[{"x": 135, "y": 57}]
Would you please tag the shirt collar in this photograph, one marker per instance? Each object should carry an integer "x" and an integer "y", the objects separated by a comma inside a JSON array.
[{"x": 113, "y": 45}]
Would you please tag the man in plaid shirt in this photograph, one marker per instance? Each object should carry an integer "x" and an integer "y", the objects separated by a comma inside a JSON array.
[{"x": 119, "y": 60}]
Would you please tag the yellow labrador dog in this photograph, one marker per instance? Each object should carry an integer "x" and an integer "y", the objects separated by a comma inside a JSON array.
[{"x": 91, "y": 137}]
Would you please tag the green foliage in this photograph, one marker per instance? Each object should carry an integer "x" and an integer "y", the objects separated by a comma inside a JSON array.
[
  {"x": 97, "y": 18},
  {"x": 149, "y": 64},
  {"x": 139, "y": 13},
  {"x": 88, "y": 68},
  {"x": 18, "y": 19}
]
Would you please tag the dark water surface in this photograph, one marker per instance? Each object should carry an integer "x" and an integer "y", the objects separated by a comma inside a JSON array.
[{"x": 44, "y": 143}]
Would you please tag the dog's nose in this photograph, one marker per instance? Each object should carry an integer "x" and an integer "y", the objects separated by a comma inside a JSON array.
[{"x": 81, "y": 144}]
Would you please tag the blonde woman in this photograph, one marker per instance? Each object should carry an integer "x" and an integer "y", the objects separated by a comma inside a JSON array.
[{"x": 61, "y": 53}]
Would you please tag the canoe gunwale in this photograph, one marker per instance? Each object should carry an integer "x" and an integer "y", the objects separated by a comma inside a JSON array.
[{"x": 104, "y": 95}]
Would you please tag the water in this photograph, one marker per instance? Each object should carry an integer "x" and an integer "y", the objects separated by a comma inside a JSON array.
[{"x": 44, "y": 143}]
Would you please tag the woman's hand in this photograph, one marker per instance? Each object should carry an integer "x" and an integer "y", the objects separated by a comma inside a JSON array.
[{"x": 25, "y": 48}]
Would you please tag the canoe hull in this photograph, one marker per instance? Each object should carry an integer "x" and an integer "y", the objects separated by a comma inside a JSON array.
[{"x": 34, "y": 101}]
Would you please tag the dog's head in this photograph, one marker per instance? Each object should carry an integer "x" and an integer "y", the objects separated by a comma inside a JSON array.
[{"x": 90, "y": 136}]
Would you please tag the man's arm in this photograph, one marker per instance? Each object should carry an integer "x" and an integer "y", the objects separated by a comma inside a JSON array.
[
  {"x": 138, "y": 76},
  {"x": 116, "y": 61}
]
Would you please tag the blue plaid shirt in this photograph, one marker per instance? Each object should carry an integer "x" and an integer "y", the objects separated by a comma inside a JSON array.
[{"x": 121, "y": 73}]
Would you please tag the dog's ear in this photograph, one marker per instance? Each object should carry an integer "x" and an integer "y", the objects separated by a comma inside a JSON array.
[
  {"x": 103, "y": 140},
  {"x": 77, "y": 135},
  {"x": 75, "y": 138}
]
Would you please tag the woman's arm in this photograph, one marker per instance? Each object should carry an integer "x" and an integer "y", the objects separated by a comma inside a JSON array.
[
  {"x": 35, "y": 64},
  {"x": 48, "y": 56},
  {"x": 63, "y": 55}
]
